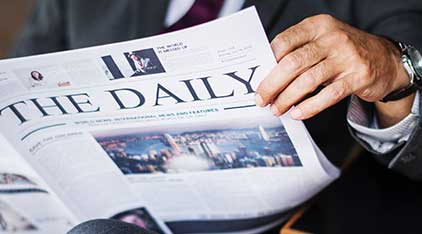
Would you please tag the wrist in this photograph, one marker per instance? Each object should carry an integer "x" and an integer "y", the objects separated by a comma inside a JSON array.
[
  {"x": 392, "y": 112},
  {"x": 401, "y": 78},
  {"x": 411, "y": 61}
]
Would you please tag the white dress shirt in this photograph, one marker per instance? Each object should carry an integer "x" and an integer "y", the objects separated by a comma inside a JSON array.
[{"x": 380, "y": 140}]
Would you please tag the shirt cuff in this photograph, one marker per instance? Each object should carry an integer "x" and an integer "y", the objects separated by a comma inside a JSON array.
[{"x": 362, "y": 119}]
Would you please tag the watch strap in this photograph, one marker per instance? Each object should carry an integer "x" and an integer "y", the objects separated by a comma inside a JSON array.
[{"x": 401, "y": 93}]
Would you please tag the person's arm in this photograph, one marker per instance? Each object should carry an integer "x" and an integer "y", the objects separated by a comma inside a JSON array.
[
  {"x": 322, "y": 50},
  {"x": 391, "y": 130},
  {"x": 45, "y": 30},
  {"x": 363, "y": 120},
  {"x": 392, "y": 146}
]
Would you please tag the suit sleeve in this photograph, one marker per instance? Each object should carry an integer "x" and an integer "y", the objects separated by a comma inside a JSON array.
[
  {"x": 44, "y": 31},
  {"x": 399, "y": 20}
]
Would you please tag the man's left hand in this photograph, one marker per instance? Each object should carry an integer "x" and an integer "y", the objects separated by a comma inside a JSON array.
[{"x": 322, "y": 50}]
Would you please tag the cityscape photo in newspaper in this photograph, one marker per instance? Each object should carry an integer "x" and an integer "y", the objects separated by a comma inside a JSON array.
[
  {"x": 162, "y": 132},
  {"x": 208, "y": 146}
]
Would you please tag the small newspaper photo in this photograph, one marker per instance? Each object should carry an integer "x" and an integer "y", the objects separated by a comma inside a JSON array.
[{"x": 161, "y": 132}]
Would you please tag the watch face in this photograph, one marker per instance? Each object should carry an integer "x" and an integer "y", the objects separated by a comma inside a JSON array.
[{"x": 416, "y": 58}]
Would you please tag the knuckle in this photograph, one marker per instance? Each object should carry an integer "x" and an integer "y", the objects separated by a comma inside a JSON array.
[
  {"x": 269, "y": 88},
  {"x": 311, "y": 51},
  {"x": 286, "y": 38},
  {"x": 308, "y": 109},
  {"x": 277, "y": 45},
  {"x": 315, "y": 76},
  {"x": 278, "y": 40},
  {"x": 351, "y": 50},
  {"x": 319, "y": 71},
  {"x": 293, "y": 61},
  {"x": 343, "y": 38},
  {"x": 307, "y": 82},
  {"x": 338, "y": 92},
  {"x": 293, "y": 35},
  {"x": 364, "y": 69},
  {"x": 265, "y": 88},
  {"x": 279, "y": 103},
  {"x": 310, "y": 22},
  {"x": 325, "y": 19}
]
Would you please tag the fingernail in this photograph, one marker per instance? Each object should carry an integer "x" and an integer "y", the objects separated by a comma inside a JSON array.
[
  {"x": 275, "y": 110},
  {"x": 296, "y": 113},
  {"x": 259, "y": 101}
]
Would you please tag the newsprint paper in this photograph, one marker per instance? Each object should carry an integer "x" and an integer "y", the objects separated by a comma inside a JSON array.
[{"x": 162, "y": 132}]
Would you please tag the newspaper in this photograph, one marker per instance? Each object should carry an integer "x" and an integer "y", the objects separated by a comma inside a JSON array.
[{"x": 162, "y": 132}]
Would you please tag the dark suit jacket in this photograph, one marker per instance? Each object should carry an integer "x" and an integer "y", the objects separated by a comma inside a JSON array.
[{"x": 58, "y": 25}]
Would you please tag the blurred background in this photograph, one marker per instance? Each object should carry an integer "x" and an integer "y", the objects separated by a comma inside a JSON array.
[{"x": 14, "y": 14}]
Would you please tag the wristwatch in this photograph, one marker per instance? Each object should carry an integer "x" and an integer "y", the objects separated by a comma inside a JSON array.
[{"x": 412, "y": 62}]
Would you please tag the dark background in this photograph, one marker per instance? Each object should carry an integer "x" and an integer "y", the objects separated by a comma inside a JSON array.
[{"x": 13, "y": 15}]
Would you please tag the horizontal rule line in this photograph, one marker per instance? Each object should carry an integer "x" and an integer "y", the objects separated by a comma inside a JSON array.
[
  {"x": 39, "y": 129},
  {"x": 239, "y": 107}
]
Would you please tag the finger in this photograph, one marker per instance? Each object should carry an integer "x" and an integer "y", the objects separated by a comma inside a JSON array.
[
  {"x": 298, "y": 35},
  {"x": 289, "y": 68},
  {"x": 306, "y": 83},
  {"x": 327, "y": 97}
]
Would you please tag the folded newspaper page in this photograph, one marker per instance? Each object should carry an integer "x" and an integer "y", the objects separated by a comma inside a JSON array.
[
  {"x": 162, "y": 132},
  {"x": 26, "y": 205}
]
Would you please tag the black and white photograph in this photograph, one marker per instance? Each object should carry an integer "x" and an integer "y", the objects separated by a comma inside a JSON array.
[
  {"x": 144, "y": 62},
  {"x": 132, "y": 64},
  {"x": 200, "y": 147}
]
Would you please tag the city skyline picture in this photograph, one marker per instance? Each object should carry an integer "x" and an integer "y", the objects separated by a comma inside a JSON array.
[{"x": 199, "y": 147}]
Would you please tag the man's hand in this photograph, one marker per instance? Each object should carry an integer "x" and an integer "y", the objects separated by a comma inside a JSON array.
[{"x": 322, "y": 50}]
